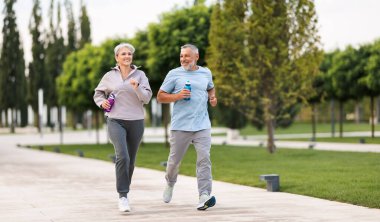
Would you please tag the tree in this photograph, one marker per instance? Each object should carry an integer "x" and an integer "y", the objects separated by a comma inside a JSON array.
[
  {"x": 345, "y": 75},
  {"x": 372, "y": 79},
  {"x": 55, "y": 56},
  {"x": 273, "y": 61},
  {"x": 325, "y": 66},
  {"x": 12, "y": 66},
  {"x": 37, "y": 77},
  {"x": 314, "y": 99},
  {"x": 85, "y": 29},
  {"x": 227, "y": 26},
  {"x": 71, "y": 29}
]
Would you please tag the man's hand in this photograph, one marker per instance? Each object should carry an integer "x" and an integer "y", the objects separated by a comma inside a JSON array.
[
  {"x": 213, "y": 101},
  {"x": 185, "y": 93}
]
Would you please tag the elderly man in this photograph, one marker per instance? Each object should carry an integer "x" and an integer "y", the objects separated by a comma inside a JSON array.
[{"x": 190, "y": 122}]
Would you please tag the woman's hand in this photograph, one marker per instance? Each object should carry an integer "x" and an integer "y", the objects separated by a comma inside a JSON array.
[
  {"x": 106, "y": 104},
  {"x": 134, "y": 83}
]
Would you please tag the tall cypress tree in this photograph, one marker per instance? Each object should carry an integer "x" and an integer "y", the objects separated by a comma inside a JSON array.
[
  {"x": 71, "y": 29},
  {"x": 12, "y": 66},
  {"x": 72, "y": 45},
  {"x": 227, "y": 26},
  {"x": 85, "y": 29},
  {"x": 55, "y": 55},
  {"x": 37, "y": 78}
]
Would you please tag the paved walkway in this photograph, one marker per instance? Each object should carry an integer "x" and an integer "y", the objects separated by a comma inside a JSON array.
[{"x": 44, "y": 186}]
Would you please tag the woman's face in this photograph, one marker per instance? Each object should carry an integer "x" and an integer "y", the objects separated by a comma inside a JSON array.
[{"x": 124, "y": 57}]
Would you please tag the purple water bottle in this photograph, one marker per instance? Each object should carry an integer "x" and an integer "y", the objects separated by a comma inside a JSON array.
[{"x": 111, "y": 100}]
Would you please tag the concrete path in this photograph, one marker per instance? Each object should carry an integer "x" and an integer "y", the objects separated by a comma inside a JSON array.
[{"x": 44, "y": 186}]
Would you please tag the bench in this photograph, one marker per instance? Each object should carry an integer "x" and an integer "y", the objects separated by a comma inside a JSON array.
[{"x": 273, "y": 182}]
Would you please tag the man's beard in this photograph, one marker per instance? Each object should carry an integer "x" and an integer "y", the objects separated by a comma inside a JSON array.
[{"x": 189, "y": 67}]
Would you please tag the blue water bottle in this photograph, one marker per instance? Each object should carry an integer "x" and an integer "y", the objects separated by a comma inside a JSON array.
[{"x": 188, "y": 87}]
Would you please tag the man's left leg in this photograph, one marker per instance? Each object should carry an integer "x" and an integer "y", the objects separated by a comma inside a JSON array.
[{"x": 202, "y": 144}]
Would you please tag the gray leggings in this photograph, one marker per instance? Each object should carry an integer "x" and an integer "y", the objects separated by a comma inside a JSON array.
[{"x": 125, "y": 136}]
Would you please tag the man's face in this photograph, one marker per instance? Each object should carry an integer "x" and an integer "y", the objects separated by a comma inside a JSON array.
[{"x": 188, "y": 59}]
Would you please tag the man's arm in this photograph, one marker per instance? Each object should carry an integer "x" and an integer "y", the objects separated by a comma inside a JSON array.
[
  {"x": 212, "y": 97},
  {"x": 164, "y": 97}
]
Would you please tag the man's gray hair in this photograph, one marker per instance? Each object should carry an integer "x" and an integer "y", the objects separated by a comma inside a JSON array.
[
  {"x": 191, "y": 46},
  {"x": 124, "y": 45}
]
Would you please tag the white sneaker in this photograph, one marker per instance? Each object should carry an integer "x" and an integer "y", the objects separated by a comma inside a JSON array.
[
  {"x": 168, "y": 193},
  {"x": 205, "y": 201},
  {"x": 124, "y": 205}
]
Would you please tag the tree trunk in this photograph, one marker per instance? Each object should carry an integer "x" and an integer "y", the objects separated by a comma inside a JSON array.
[
  {"x": 60, "y": 124},
  {"x": 341, "y": 117},
  {"x": 48, "y": 116},
  {"x": 6, "y": 118},
  {"x": 13, "y": 120},
  {"x": 372, "y": 117},
  {"x": 313, "y": 121},
  {"x": 357, "y": 113},
  {"x": 332, "y": 107},
  {"x": 270, "y": 143}
]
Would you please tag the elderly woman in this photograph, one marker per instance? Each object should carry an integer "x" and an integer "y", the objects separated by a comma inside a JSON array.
[{"x": 125, "y": 118}]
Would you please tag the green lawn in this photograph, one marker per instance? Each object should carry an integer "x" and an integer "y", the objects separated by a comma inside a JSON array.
[
  {"x": 356, "y": 139},
  {"x": 342, "y": 176},
  {"x": 306, "y": 128}
]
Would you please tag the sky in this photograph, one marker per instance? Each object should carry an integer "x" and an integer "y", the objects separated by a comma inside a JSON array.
[{"x": 341, "y": 22}]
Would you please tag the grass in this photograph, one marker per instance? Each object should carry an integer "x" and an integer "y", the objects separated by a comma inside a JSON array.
[
  {"x": 355, "y": 139},
  {"x": 340, "y": 176},
  {"x": 298, "y": 127}
]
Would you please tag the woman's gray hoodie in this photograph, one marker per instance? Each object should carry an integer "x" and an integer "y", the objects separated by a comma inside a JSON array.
[{"x": 129, "y": 103}]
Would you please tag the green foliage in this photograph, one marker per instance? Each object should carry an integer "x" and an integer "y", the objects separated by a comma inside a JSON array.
[
  {"x": 55, "y": 56},
  {"x": 71, "y": 28},
  {"x": 85, "y": 29},
  {"x": 264, "y": 55},
  {"x": 37, "y": 77},
  {"x": 226, "y": 36},
  {"x": 225, "y": 55},
  {"x": 141, "y": 43},
  {"x": 345, "y": 73},
  {"x": 372, "y": 80},
  {"x": 76, "y": 84},
  {"x": 12, "y": 65},
  {"x": 230, "y": 117}
]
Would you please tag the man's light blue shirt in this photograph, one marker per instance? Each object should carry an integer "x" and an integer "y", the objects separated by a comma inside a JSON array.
[{"x": 189, "y": 115}]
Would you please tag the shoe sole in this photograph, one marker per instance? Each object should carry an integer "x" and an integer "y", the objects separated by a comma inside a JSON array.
[
  {"x": 125, "y": 210},
  {"x": 209, "y": 203}
]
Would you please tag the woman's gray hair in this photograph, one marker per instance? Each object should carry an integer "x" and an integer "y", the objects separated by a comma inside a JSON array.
[
  {"x": 192, "y": 47},
  {"x": 124, "y": 45}
]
